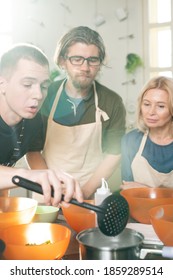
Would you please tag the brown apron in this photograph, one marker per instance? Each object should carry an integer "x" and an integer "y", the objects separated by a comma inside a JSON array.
[
  {"x": 144, "y": 173},
  {"x": 77, "y": 150}
]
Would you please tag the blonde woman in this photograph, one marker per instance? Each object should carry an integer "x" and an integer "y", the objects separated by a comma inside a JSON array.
[{"x": 147, "y": 152}]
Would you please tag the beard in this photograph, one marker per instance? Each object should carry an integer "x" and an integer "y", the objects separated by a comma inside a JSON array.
[{"x": 82, "y": 83}]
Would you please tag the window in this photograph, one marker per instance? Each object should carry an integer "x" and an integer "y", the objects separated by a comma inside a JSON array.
[{"x": 159, "y": 29}]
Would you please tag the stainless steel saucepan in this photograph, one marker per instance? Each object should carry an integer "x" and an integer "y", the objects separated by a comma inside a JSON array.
[{"x": 128, "y": 245}]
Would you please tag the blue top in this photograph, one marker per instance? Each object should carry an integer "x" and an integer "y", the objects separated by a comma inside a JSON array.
[
  {"x": 160, "y": 157},
  {"x": 110, "y": 102}
]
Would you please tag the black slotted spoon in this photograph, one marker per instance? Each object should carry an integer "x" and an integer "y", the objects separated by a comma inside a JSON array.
[{"x": 112, "y": 213}]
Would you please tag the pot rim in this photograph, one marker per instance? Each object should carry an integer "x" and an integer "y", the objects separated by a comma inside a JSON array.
[{"x": 112, "y": 246}]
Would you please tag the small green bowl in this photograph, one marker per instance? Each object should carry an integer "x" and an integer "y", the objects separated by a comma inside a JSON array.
[{"x": 45, "y": 214}]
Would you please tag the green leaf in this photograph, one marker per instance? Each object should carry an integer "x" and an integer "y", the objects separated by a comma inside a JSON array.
[{"x": 133, "y": 61}]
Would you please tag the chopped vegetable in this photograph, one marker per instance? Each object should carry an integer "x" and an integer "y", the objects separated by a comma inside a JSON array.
[{"x": 34, "y": 244}]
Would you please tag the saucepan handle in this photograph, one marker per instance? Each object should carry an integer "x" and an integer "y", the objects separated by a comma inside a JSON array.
[{"x": 165, "y": 251}]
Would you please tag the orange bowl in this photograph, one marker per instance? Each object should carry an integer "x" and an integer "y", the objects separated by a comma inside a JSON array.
[
  {"x": 79, "y": 218},
  {"x": 16, "y": 210},
  {"x": 35, "y": 241},
  {"x": 141, "y": 200},
  {"x": 162, "y": 221}
]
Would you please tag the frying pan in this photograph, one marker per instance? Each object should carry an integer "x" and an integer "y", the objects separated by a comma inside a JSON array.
[{"x": 112, "y": 213}]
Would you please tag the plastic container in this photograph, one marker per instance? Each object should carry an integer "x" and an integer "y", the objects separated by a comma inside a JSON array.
[{"x": 102, "y": 192}]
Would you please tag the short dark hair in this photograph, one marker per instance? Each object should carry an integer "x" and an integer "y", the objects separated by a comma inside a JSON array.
[
  {"x": 12, "y": 56},
  {"x": 82, "y": 34}
]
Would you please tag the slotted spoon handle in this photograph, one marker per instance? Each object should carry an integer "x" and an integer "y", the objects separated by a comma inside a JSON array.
[{"x": 35, "y": 187}]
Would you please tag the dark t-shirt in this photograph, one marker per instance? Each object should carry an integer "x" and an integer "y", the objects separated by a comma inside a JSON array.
[
  {"x": 32, "y": 139},
  {"x": 108, "y": 101}
]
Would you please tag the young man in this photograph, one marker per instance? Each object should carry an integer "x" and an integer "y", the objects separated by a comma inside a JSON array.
[
  {"x": 24, "y": 80},
  {"x": 86, "y": 120}
]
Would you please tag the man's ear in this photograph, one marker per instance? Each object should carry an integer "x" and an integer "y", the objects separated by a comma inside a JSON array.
[
  {"x": 3, "y": 84},
  {"x": 62, "y": 63}
]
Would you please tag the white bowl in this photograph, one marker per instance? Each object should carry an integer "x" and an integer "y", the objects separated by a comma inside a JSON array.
[{"x": 46, "y": 214}]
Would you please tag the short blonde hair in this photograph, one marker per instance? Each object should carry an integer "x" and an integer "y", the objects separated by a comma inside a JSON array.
[{"x": 163, "y": 83}]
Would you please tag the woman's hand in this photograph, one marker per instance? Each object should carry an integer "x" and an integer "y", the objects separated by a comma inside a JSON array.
[{"x": 129, "y": 185}]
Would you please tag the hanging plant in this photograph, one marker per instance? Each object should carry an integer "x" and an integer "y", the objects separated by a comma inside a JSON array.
[
  {"x": 133, "y": 62},
  {"x": 54, "y": 74}
]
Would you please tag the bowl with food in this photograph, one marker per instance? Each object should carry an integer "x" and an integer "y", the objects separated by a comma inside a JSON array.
[{"x": 35, "y": 241}]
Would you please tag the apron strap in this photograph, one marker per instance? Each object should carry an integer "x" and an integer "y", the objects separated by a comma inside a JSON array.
[
  {"x": 56, "y": 100},
  {"x": 144, "y": 139},
  {"x": 98, "y": 112}
]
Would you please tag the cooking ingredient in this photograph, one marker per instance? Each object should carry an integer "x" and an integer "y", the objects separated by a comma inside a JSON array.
[
  {"x": 102, "y": 192},
  {"x": 34, "y": 244}
]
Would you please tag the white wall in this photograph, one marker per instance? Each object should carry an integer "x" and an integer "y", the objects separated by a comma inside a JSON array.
[{"x": 43, "y": 22}]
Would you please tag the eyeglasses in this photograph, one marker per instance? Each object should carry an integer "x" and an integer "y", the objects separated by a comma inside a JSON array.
[{"x": 79, "y": 60}]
